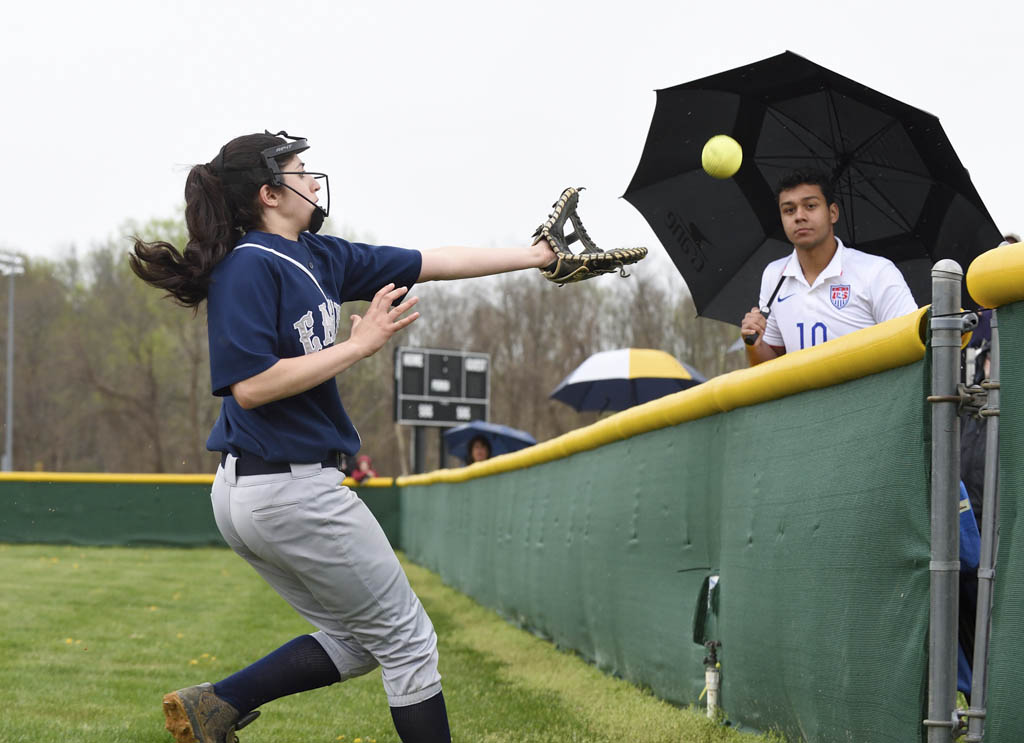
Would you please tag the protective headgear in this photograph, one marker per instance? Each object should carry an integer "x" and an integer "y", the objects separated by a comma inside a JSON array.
[{"x": 297, "y": 145}]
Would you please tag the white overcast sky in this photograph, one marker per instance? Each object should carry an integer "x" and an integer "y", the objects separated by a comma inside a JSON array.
[{"x": 445, "y": 122}]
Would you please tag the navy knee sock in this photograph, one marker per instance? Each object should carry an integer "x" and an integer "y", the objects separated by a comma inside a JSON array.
[
  {"x": 299, "y": 665},
  {"x": 426, "y": 722}
]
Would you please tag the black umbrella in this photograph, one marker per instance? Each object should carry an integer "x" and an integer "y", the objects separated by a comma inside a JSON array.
[{"x": 901, "y": 188}]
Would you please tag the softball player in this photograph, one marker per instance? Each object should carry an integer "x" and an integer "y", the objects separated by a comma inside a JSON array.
[{"x": 274, "y": 290}]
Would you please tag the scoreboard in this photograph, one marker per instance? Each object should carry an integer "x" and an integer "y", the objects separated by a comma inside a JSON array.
[{"x": 435, "y": 387}]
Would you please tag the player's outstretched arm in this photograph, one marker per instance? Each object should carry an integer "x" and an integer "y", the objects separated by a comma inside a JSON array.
[
  {"x": 455, "y": 262},
  {"x": 291, "y": 376}
]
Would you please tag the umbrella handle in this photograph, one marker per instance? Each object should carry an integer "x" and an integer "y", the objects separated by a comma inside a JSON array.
[{"x": 751, "y": 339}]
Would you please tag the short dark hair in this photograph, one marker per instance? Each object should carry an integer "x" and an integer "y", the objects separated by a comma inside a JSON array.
[{"x": 809, "y": 177}]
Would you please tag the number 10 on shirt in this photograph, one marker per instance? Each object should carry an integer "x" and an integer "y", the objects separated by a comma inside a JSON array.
[{"x": 815, "y": 340}]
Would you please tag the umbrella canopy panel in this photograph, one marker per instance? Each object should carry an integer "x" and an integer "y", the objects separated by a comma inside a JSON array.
[
  {"x": 620, "y": 379},
  {"x": 503, "y": 439},
  {"x": 902, "y": 190}
]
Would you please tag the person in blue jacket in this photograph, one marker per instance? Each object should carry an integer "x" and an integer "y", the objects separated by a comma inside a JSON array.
[{"x": 274, "y": 290}]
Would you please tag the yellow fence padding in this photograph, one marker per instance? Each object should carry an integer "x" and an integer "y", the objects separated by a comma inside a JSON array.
[
  {"x": 111, "y": 477},
  {"x": 128, "y": 477},
  {"x": 891, "y": 344},
  {"x": 996, "y": 277}
]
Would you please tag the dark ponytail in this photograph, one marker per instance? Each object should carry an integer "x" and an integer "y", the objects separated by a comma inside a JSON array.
[{"x": 221, "y": 204}]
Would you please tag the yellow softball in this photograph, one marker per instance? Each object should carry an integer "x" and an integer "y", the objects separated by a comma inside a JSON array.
[{"x": 722, "y": 156}]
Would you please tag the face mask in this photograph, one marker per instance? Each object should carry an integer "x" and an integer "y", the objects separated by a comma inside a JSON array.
[
  {"x": 297, "y": 145},
  {"x": 316, "y": 219}
]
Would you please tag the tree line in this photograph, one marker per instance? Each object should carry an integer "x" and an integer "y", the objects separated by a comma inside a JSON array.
[{"x": 109, "y": 376}]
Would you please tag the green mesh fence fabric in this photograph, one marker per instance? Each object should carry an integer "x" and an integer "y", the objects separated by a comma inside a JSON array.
[
  {"x": 813, "y": 510},
  {"x": 101, "y": 513},
  {"x": 126, "y": 513},
  {"x": 824, "y": 562},
  {"x": 602, "y": 553},
  {"x": 1005, "y": 721}
]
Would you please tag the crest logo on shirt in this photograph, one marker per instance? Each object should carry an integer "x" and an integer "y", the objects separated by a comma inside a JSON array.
[{"x": 840, "y": 295}]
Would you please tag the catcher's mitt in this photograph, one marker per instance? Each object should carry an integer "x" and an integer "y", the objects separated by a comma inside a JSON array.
[{"x": 592, "y": 261}]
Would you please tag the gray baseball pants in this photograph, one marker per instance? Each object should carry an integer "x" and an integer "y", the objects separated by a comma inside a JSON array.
[{"x": 317, "y": 544}]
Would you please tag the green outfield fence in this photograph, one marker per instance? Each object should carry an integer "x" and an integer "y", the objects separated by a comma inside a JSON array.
[
  {"x": 813, "y": 510},
  {"x": 807, "y": 510},
  {"x": 88, "y": 509}
]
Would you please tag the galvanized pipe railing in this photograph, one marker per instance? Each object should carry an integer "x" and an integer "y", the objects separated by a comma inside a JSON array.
[
  {"x": 989, "y": 545},
  {"x": 947, "y": 325}
]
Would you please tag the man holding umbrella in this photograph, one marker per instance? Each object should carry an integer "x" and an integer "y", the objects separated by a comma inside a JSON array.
[
  {"x": 900, "y": 189},
  {"x": 823, "y": 289}
]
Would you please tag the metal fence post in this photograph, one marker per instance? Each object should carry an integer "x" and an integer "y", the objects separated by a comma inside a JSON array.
[
  {"x": 11, "y": 265},
  {"x": 946, "y": 327},
  {"x": 989, "y": 547},
  {"x": 7, "y": 463}
]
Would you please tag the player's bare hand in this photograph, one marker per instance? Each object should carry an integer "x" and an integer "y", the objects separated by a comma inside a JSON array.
[
  {"x": 545, "y": 255},
  {"x": 754, "y": 323},
  {"x": 383, "y": 319}
]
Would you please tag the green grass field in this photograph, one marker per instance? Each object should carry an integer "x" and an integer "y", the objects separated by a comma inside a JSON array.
[{"x": 93, "y": 638}]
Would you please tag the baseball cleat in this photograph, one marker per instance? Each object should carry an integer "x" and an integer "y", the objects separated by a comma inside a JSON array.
[{"x": 196, "y": 714}]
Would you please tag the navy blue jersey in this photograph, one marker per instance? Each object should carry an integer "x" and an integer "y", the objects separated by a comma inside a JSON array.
[{"x": 272, "y": 298}]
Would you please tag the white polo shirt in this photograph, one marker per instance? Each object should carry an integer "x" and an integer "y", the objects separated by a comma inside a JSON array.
[{"x": 856, "y": 290}]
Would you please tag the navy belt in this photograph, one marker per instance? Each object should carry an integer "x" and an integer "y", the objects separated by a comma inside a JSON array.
[{"x": 250, "y": 464}]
